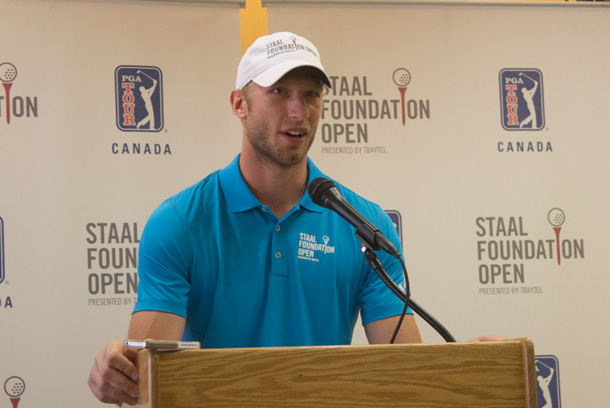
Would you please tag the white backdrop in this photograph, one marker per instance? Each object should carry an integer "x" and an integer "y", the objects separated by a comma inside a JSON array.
[{"x": 73, "y": 190}]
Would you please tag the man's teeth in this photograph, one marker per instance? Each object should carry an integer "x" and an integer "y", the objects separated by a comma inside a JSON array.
[{"x": 294, "y": 133}]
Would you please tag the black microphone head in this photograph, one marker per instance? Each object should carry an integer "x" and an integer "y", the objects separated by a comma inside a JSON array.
[{"x": 318, "y": 189}]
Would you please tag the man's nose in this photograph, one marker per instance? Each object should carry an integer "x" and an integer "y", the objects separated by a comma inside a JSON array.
[{"x": 297, "y": 107}]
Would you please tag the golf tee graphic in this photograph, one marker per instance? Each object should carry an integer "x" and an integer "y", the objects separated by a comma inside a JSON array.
[
  {"x": 14, "y": 388},
  {"x": 557, "y": 218},
  {"x": 8, "y": 73},
  {"x": 401, "y": 78}
]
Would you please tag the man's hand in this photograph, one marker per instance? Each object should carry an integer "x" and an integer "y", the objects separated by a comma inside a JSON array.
[
  {"x": 487, "y": 338},
  {"x": 114, "y": 376}
]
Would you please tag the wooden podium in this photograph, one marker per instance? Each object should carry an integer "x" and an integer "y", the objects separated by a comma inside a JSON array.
[{"x": 487, "y": 374}]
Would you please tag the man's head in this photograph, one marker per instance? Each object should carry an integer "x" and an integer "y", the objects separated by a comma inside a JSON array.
[
  {"x": 278, "y": 97},
  {"x": 270, "y": 57}
]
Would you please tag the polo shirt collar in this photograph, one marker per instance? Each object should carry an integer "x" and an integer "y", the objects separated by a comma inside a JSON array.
[
  {"x": 306, "y": 201},
  {"x": 240, "y": 198}
]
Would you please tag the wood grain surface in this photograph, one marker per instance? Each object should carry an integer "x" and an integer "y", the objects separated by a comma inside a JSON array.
[{"x": 486, "y": 374}]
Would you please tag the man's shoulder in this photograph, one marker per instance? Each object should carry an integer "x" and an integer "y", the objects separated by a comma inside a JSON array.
[
  {"x": 190, "y": 206},
  {"x": 204, "y": 186},
  {"x": 192, "y": 199}
]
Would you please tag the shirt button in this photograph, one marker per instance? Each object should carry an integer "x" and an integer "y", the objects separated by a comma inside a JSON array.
[
  {"x": 278, "y": 254},
  {"x": 278, "y": 228}
]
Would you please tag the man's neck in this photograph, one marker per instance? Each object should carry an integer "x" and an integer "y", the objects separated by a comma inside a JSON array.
[{"x": 279, "y": 188}]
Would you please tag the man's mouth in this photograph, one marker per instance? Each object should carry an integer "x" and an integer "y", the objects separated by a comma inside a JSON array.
[{"x": 294, "y": 133}]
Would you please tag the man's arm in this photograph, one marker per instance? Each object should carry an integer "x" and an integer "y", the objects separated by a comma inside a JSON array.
[
  {"x": 156, "y": 325},
  {"x": 381, "y": 331},
  {"x": 113, "y": 377}
]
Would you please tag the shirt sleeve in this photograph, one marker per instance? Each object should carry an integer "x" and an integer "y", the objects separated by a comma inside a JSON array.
[{"x": 163, "y": 263}]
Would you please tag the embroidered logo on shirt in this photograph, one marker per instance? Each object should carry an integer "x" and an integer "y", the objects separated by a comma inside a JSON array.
[{"x": 310, "y": 249}]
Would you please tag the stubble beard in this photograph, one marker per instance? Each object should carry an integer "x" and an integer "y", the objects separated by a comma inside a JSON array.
[{"x": 259, "y": 137}]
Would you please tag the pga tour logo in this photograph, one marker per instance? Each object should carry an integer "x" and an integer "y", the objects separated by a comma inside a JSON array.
[
  {"x": 139, "y": 98},
  {"x": 397, "y": 221},
  {"x": 522, "y": 99},
  {"x": 547, "y": 379}
]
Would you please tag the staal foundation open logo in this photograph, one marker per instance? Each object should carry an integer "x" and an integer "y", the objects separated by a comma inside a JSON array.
[
  {"x": 511, "y": 256},
  {"x": 356, "y": 107}
]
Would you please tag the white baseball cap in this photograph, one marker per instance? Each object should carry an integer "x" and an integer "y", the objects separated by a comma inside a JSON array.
[{"x": 270, "y": 57}]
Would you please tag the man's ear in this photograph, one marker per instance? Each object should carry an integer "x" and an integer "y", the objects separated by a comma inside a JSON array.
[{"x": 238, "y": 103}]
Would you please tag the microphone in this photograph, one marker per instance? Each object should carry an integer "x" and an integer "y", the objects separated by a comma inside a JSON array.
[{"x": 325, "y": 193}]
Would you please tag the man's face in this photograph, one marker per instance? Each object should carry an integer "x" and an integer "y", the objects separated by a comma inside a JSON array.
[{"x": 282, "y": 119}]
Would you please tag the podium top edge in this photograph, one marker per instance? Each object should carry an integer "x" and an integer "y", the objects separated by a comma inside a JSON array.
[{"x": 525, "y": 342}]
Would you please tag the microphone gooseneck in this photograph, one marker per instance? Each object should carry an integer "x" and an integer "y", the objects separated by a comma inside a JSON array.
[{"x": 325, "y": 193}]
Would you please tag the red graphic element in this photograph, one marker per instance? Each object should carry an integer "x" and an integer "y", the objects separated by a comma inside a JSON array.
[
  {"x": 557, "y": 218},
  {"x": 402, "y": 77},
  {"x": 511, "y": 105},
  {"x": 557, "y": 231},
  {"x": 15, "y": 402},
  {"x": 8, "y": 73},
  {"x": 7, "y": 92},
  {"x": 129, "y": 106},
  {"x": 402, "y": 90}
]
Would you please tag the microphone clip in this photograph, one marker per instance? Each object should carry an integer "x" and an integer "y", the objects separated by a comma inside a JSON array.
[
  {"x": 367, "y": 244},
  {"x": 372, "y": 259}
]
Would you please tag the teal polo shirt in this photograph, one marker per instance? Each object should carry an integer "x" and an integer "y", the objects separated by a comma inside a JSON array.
[{"x": 216, "y": 256}]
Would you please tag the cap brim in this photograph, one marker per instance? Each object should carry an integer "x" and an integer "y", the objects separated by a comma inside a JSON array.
[{"x": 276, "y": 72}]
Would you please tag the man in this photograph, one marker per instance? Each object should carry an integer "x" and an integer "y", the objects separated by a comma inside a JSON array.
[{"x": 244, "y": 258}]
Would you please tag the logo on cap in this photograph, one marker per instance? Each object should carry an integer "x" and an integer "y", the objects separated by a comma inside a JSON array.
[
  {"x": 277, "y": 47},
  {"x": 139, "y": 98},
  {"x": 522, "y": 99}
]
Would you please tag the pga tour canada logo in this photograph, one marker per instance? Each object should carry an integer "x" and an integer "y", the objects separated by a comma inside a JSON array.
[
  {"x": 522, "y": 99},
  {"x": 139, "y": 98}
]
